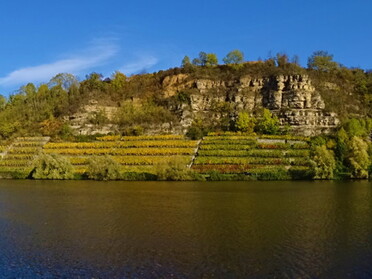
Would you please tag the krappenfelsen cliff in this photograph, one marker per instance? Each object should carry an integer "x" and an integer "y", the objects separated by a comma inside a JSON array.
[{"x": 292, "y": 98}]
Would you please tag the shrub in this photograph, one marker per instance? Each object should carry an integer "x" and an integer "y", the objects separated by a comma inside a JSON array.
[
  {"x": 323, "y": 163},
  {"x": 298, "y": 173},
  {"x": 215, "y": 175},
  {"x": 138, "y": 176},
  {"x": 194, "y": 133},
  {"x": 103, "y": 168},
  {"x": 52, "y": 166},
  {"x": 318, "y": 141},
  {"x": 279, "y": 173},
  {"x": 268, "y": 123},
  {"x": 245, "y": 123},
  {"x": 174, "y": 170}
]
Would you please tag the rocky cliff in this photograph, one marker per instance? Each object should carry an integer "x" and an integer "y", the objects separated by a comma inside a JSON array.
[{"x": 292, "y": 98}]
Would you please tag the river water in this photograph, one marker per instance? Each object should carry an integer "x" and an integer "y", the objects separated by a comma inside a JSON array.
[{"x": 85, "y": 229}]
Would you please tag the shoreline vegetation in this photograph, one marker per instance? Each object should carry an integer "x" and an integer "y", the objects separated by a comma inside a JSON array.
[{"x": 218, "y": 156}]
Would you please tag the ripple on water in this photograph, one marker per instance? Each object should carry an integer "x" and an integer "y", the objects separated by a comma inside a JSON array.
[{"x": 185, "y": 230}]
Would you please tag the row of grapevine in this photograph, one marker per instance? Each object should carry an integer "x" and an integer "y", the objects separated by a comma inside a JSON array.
[
  {"x": 132, "y": 160},
  {"x": 238, "y": 153},
  {"x": 134, "y": 154},
  {"x": 234, "y": 135},
  {"x": 250, "y": 160},
  {"x": 138, "y": 138},
  {"x": 122, "y": 144},
  {"x": 122, "y": 151},
  {"x": 253, "y": 153},
  {"x": 21, "y": 153}
]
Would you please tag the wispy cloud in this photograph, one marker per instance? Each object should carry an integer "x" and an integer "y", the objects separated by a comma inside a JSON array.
[
  {"x": 143, "y": 63},
  {"x": 98, "y": 53}
]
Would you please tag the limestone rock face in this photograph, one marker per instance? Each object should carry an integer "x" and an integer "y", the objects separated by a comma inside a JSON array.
[
  {"x": 292, "y": 98},
  {"x": 80, "y": 121},
  {"x": 173, "y": 84}
]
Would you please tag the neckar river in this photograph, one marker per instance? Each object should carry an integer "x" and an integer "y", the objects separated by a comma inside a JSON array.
[{"x": 85, "y": 229}]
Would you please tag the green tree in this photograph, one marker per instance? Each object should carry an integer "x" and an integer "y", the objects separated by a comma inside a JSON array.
[
  {"x": 205, "y": 59},
  {"x": 322, "y": 61},
  {"x": 186, "y": 62},
  {"x": 356, "y": 128},
  {"x": 118, "y": 81},
  {"x": 323, "y": 163},
  {"x": 234, "y": 57},
  {"x": 211, "y": 60},
  {"x": 103, "y": 168},
  {"x": 268, "y": 123},
  {"x": 342, "y": 149},
  {"x": 359, "y": 158},
  {"x": 2, "y": 102},
  {"x": 52, "y": 166},
  {"x": 245, "y": 123}
]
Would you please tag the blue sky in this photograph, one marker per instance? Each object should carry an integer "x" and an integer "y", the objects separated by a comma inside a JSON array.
[{"x": 42, "y": 38}]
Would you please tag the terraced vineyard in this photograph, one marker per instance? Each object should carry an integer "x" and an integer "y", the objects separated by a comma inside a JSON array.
[
  {"x": 228, "y": 154},
  {"x": 18, "y": 156},
  {"x": 236, "y": 154},
  {"x": 135, "y": 154}
]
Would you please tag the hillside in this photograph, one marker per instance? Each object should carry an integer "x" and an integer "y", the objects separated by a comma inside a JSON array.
[{"x": 306, "y": 101}]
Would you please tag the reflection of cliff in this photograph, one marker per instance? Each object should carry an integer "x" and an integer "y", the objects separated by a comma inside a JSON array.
[{"x": 292, "y": 98}]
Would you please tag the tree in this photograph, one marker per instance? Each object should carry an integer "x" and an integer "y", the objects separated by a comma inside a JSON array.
[
  {"x": 323, "y": 163},
  {"x": 245, "y": 123},
  {"x": 234, "y": 57},
  {"x": 281, "y": 59},
  {"x": 92, "y": 82},
  {"x": 356, "y": 127},
  {"x": 52, "y": 166},
  {"x": 197, "y": 130},
  {"x": 296, "y": 60},
  {"x": 211, "y": 60},
  {"x": 268, "y": 123},
  {"x": 51, "y": 127},
  {"x": 103, "y": 168},
  {"x": 359, "y": 158},
  {"x": 2, "y": 102},
  {"x": 118, "y": 81},
  {"x": 186, "y": 62},
  {"x": 196, "y": 62},
  {"x": 322, "y": 61},
  {"x": 64, "y": 80},
  {"x": 201, "y": 60},
  {"x": 342, "y": 146},
  {"x": 205, "y": 59}
]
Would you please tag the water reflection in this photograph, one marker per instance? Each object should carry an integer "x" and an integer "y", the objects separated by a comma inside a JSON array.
[{"x": 185, "y": 230}]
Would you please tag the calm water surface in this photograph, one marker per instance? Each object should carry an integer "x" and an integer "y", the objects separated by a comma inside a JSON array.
[{"x": 84, "y": 229}]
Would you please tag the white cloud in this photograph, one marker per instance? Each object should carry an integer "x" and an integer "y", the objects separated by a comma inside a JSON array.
[
  {"x": 144, "y": 63},
  {"x": 97, "y": 54}
]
